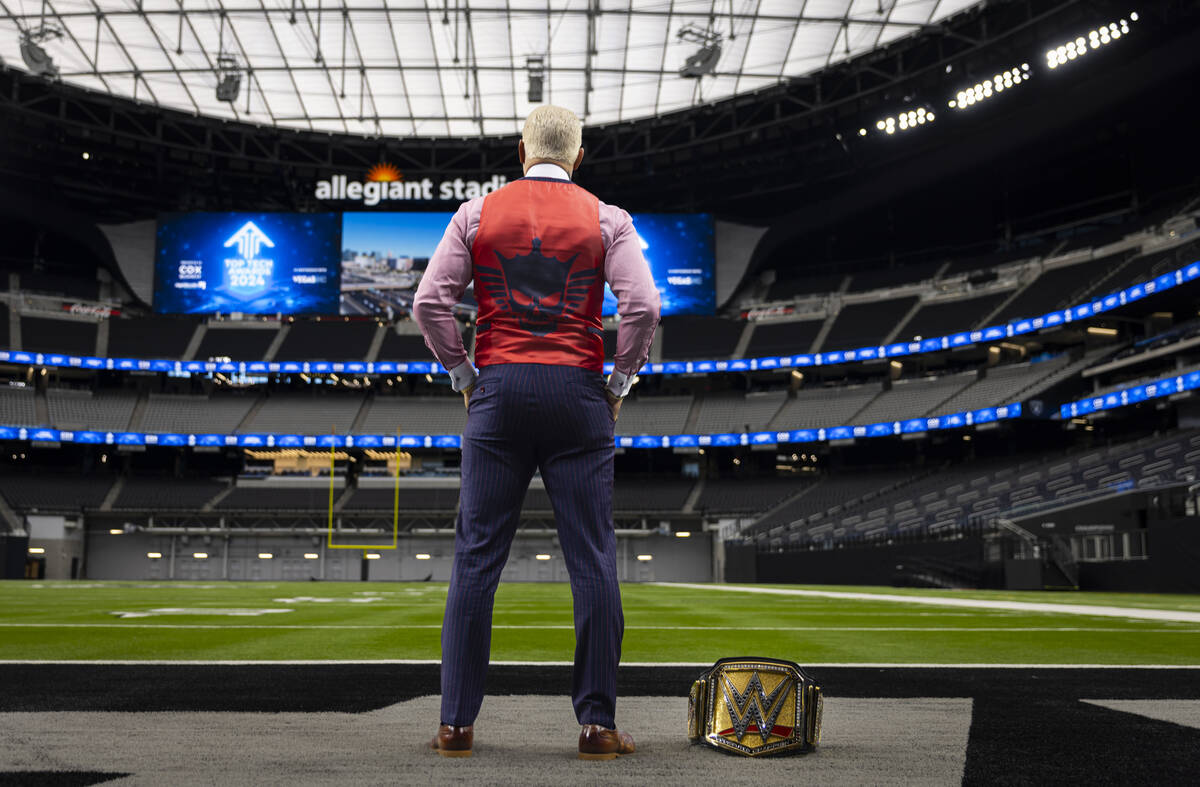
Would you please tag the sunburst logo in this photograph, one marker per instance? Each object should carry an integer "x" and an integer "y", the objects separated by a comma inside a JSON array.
[{"x": 384, "y": 173}]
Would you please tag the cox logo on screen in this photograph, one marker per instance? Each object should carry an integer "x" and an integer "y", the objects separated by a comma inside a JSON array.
[
  {"x": 249, "y": 274},
  {"x": 191, "y": 276}
]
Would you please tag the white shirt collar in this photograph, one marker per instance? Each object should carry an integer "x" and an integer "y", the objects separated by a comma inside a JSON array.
[{"x": 545, "y": 169}]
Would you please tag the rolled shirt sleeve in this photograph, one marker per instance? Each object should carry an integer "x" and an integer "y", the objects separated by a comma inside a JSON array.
[
  {"x": 638, "y": 303},
  {"x": 442, "y": 286}
]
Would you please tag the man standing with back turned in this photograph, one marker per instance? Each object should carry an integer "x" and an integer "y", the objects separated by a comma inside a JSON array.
[{"x": 539, "y": 250}]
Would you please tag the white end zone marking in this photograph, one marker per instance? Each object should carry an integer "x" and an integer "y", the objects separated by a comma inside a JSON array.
[
  {"x": 320, "y": 600},
  {"x": 146, "y": 613},
  {"x": 1183, "y": 712},
  {"x": 688, "y": 664},
  {"x": 1178, "y": 616},
  {"x": 556, "y": 627}
]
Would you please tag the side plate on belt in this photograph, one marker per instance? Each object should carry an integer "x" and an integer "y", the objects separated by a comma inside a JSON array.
[{"x": 755, "y": 706}]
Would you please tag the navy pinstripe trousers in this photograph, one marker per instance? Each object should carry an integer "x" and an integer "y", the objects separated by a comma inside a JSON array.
[{"x": 524, "y": 417}]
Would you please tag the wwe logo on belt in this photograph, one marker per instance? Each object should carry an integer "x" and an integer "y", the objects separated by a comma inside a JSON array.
[{"x": 755, "y": 705}]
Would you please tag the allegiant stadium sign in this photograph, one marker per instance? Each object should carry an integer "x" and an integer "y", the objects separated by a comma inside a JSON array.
[{"x": 385, "y": 183}]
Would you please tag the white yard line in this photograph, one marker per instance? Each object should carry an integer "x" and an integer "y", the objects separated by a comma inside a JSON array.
[
  {"x": 697, "y": 664},
  {"x": 1178, "y": 616},
  {"x": 559, "y": 627}
]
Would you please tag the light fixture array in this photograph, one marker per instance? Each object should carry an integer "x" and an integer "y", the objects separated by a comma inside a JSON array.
[
  {"x": 1009, "y": 78},
  {"x": 903, "y": 121},
  {"x": 984, "y": 90},
  {"x": 1080, "y": 46}
]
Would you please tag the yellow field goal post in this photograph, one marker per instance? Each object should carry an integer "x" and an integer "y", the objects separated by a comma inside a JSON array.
[{"x": 395, "y": 504}]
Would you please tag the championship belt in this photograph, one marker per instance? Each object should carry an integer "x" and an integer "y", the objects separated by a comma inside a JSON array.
[{"x": 755, "y": 706}]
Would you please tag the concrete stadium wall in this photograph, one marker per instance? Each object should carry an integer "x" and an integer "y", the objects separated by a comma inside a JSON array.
[
  {"x": 735, "y": 244},
  {"x": 237, "y": 558},
  {"x": 863, "y": 566},
  {"x": 13, "y": 550},
  {"x": 1172, "y": 567},
  {"x": 133, "y": 248},
  {"x": 62, "y": 539}
]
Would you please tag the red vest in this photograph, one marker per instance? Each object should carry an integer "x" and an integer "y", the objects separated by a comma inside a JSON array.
[{"x": 538, "y": 263}]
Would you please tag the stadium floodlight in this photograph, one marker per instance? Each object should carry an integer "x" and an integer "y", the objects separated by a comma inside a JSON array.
[
  {"x": 154, "y": 555},
  {"x": 265, "y": 556},
  {"x": 904, "y": 120},
  {"x": 229, "y": 87},
  {"x": 229, "y": 78},
  {"x": 1080, "y": 45},
  {"x": 704, "y": 60},
  {"x": 645, "y": 558},
  {"x": 421, "y": 556},
  {"x": 311, "y": 556},
  {"x": 541, "y": 557},
  {"x": 536, "y": 67},
  {"x": 37, "y": 60},
  {"x": 683, "y": 534},
  {"x": 116, "y": 531},
  {"x": 200, "y": 555},
  {"x": 993, "y": 86},
  {"x": 37, "y": 550},
  {"x": 372, "y": 556}
]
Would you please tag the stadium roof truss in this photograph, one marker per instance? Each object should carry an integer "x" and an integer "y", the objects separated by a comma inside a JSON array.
[{"x": 438, "y": 68}]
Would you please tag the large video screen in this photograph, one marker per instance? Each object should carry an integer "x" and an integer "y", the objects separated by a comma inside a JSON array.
[
  {"x": 385, "y": 254},
  {"x": 254, "y": 263},
  {"x": 383, "y": 258},
  {"x": 679, "y": 249}
]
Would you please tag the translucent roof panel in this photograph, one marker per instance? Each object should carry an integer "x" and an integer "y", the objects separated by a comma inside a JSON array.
[{"x": 428, "y": 68}]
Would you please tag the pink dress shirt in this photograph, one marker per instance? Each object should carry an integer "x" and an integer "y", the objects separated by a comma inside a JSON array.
[{"x": 625, "y": 269}]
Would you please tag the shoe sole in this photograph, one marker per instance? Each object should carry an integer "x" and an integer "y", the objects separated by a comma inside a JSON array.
[
  {"x": 610, "y": 756},
  {"x": 454, "y": 753}
]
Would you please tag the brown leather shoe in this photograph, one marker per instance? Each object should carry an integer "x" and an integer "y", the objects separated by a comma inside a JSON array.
[
  {"x": 453, "y": 741},
  {"x": 598, "y": 743}
]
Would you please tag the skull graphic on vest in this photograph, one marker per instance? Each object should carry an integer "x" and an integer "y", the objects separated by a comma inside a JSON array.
[{"x": 537, "y": 290}]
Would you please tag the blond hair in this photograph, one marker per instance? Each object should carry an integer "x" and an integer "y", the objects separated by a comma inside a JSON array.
[{"x": 552, "y": 133}]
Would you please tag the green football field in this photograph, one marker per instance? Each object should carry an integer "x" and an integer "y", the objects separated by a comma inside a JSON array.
[{"x": 55, "y": 620}]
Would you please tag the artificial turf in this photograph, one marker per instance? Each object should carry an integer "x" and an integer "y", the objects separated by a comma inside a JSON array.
[{"x": 54, "y": 620}]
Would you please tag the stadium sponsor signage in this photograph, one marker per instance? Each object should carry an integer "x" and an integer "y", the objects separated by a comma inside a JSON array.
[
  {"x": 248, "y": 263},
  {"x": 385, "y": 183},
  {"x": 453, "y": 441},
  {"x": 249, "y": 272},
  {"x": 90, "y": 310},
  {"x": 767, "y": 313},
  {"x": 1168, "y": 386},
  {"x": 934, "y": 344}
]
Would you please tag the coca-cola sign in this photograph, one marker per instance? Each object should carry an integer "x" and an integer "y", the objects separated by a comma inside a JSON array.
[
  {"x": 96, "y": 310},
  {"x": 766, "y": 313}
]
